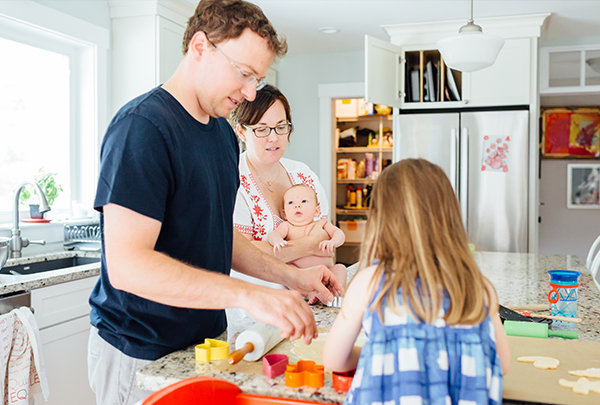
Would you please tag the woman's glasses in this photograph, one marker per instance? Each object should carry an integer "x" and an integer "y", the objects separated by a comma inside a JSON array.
[{"x": 263, "y": 132}]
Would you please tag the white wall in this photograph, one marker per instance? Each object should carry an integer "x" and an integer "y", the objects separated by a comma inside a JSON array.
[
  {"x": 298, "y": 77},
  {"x": 563, "y": 230},
  {"x": 96, "y": 12}
]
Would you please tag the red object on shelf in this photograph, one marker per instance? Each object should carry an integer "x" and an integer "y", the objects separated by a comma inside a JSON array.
[
  {"x": 213, "y": 391},
  {"x": 37, "y": 220},
  {"x": 342, "y": 381}
]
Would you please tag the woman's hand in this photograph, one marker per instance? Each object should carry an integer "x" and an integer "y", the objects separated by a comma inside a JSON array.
[
  {"x": 316, "y": 236},
  {"x": 318, "y": 279}
]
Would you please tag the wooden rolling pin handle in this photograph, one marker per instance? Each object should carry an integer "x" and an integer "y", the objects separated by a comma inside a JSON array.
[
  {"x": 236, "y": 356},
  {"x": 530, "y": 307}
]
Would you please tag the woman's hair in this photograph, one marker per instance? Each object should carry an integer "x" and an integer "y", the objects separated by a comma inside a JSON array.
[
  {"x": 250, "y": 113},
  {"x": 226, "y": 19},
  {"x": 415, "y": 232}
]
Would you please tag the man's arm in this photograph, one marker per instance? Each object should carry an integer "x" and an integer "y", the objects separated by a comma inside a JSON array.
[{"x": 134, "y": 266}]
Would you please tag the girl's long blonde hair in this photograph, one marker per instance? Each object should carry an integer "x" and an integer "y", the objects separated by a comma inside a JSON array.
[{"x": 415, "y": 232}]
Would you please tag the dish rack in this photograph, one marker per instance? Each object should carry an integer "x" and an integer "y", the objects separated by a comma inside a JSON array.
[{"x": 82, "y": 237}]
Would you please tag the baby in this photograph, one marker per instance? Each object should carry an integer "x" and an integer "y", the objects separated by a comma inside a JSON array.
[{"x": 300, "y": 209}]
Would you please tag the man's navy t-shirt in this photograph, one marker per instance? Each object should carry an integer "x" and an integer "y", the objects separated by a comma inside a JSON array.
[{"x": 159, "y": 161}]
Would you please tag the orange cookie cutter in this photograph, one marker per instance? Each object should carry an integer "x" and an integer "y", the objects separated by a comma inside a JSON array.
[
  {"x": 212, "y": 350},
  {"x": 305, "y": 372},
  {"x": 342, "y": 381}
]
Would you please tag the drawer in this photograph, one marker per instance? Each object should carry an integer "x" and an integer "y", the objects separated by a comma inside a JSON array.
[{"x": 62, "y": 302}]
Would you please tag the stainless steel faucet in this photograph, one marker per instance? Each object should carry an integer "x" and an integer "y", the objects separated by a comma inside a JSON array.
[{"x": 16, "y": 242}]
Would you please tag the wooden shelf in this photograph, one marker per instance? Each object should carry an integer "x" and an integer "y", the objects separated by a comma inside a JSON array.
[
  {"x": 351, "y": 244},
  {"x": 344, "y": 211},
  {"x": 364, "y": 149},
  {"x": 374, "y": 117},
  {"x": 352, "y": 181}
]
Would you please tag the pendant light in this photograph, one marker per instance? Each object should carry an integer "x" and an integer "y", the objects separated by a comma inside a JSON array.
[{"x": 470, "y": 49}]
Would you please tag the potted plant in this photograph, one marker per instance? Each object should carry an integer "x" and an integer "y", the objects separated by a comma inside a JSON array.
[{"x": 51, "y": 188}]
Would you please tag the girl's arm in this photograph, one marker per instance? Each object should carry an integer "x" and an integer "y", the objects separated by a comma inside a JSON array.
[
  {"x": 339, "y": 352},
  {"x": 501, "y": 339}
]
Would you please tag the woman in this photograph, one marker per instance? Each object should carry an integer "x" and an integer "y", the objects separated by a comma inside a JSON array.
[{"x": 264, "y": 126}]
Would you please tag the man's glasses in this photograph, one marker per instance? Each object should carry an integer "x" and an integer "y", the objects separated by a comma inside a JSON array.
[
  {"x": 263, "y": 132},
  {"x": 243, "y": 77}
]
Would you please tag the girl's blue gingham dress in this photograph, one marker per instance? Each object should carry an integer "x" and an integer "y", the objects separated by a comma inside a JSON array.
[{"x": 408, "y": 363}]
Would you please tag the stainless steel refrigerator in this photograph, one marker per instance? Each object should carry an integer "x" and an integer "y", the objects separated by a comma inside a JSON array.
[{"x": 485, "y": 155}]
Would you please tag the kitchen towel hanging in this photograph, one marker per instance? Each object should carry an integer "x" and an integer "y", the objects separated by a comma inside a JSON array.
[{"x": 22, "y": 366}]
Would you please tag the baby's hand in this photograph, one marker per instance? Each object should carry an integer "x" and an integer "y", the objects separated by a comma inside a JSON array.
[
  {"x": 278, "y": 246},
  {"x": 326, "y": 246}
]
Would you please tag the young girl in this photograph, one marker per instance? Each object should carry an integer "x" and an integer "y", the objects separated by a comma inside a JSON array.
[{"x": 431, "y": 318}]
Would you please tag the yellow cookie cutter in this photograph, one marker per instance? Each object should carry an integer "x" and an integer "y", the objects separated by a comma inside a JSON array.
[{"x": 212, "y": 350}]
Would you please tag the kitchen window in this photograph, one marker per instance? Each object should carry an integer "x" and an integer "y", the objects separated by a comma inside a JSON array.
[{"x": 53, "y": 102}]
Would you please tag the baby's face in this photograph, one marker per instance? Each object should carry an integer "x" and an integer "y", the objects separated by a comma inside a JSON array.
[{"x": 300, "y": 205}]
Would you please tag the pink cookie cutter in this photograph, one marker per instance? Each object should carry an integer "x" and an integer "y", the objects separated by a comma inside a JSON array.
[{"x": 274, "y": 364}]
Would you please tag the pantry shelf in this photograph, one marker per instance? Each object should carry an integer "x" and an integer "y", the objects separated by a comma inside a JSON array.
[
  {"x": 363, "y": 149},
  {"x": 351, "y": 181},
  {"x": 342, "y": 211},
  {"x": 363, "y": 118}
]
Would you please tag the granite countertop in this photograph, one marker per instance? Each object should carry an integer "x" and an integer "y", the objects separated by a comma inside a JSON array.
[
  {"x": 12, "y": 283},
  {"x": 518, "y": 278}
]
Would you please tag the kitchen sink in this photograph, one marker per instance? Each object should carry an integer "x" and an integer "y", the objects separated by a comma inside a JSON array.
[{"x": 47, "y": 265}]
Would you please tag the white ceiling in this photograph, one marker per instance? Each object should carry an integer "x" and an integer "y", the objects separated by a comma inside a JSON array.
[{"x": 299, "y": 20}]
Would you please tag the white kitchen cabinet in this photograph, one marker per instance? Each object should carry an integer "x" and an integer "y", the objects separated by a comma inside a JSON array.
[
  {"x": 511, "y": 80},
  {"x": 62, "y": 313},
  {"x": 564, "y": 70},
  {"x": 146, "y": 44}
]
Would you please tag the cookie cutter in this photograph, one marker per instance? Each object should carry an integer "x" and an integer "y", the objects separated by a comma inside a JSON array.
[
  {"x": 212, "y": 350},
  {"x": 305, "y": 372},
  {"x": 275, "y": 364},
  {"x": 343, "y": 380}
]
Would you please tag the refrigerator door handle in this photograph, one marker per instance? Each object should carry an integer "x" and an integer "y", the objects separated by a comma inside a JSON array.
[
  {"x": 464, "y": 174},
  {"x": 454, "y": 160}
]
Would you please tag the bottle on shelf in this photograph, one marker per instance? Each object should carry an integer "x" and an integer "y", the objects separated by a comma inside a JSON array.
[{"x": 359, "y": 197}]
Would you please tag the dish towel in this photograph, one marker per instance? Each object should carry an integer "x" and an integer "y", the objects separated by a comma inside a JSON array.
[{"x": 21, "y": 363}]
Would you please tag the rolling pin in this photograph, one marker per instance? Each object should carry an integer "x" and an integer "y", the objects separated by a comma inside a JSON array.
[
  {"x": 255, "y": 342},
  {"x": 535, "y": 330},
  {"x": 555, "y": 317}
]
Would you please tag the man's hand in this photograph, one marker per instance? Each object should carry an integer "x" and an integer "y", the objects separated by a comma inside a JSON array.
[
  {"x": 318, "y": 279},
  {"x": 284, "y": 309}
]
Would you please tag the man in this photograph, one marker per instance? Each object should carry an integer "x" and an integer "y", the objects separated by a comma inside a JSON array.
[{"x": 166, "y": 191}]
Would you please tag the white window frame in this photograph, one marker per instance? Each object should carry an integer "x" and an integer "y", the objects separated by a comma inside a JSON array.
[{"x": 87, "y": 46}]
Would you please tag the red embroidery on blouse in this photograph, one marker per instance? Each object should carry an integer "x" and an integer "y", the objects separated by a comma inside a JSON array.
[
  {"x": 246, "y": 229},
  {"x": 259, "y": 232},
  {"x": 307, "y": 181},
  {"x": 244, "y": 183},
  {"x": 258, "y": 211}
]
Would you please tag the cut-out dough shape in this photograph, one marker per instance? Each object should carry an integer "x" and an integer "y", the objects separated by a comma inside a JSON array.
[
  {"x": 589, "y": 372},
  {"x": 541, "y": 362},
  {"x": 582, "y": 386}
]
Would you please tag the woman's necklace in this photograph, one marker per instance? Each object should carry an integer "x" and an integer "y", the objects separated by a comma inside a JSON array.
[{"x": 266, "y": 183}]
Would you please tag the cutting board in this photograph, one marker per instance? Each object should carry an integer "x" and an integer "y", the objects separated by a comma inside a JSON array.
[{"x": 527, "y": 383}]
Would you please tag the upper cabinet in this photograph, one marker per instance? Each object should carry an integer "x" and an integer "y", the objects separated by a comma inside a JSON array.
[
  {"x": 146, "y": 44},
  {"x": 567, "y": 70},
  {"x": 409, "y": 72}
]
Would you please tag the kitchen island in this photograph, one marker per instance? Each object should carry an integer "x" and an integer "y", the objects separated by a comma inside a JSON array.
[{"x": 518, "y": 278}]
